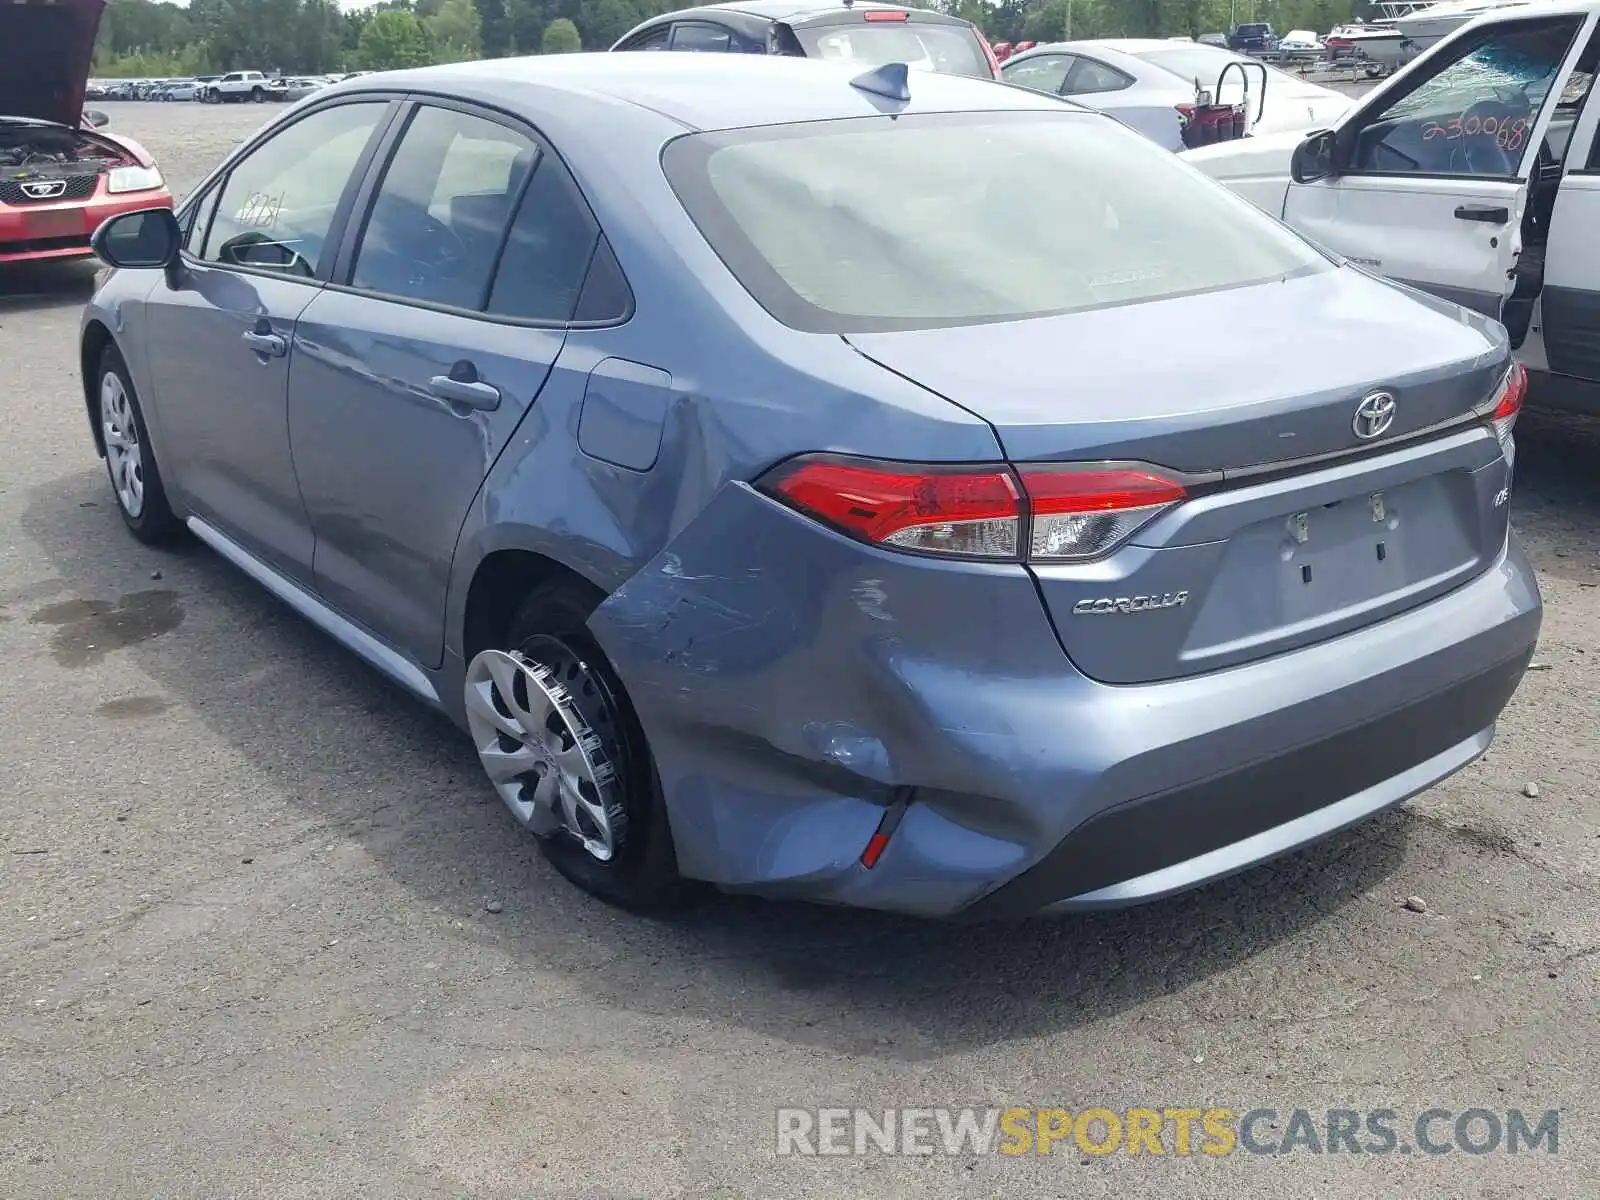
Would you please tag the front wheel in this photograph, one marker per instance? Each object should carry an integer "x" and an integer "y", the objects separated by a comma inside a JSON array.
[
  {"x": 212, "y": 97},
  {"x": 562, "y": 746},
  {"x": 130, "y": 459}
]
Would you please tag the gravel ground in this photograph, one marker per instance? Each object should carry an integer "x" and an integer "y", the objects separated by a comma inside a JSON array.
[{"x": 245, "y": 950}]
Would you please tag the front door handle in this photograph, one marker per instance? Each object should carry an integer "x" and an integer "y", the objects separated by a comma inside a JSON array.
[
  {"x": 1483, "y": 212},
  {"x": 275, "y": 345},
  {"x": 462, "y": 386}
]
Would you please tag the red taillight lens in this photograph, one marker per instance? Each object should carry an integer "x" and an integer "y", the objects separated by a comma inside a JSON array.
[
  {"x": 883, "y": 14},
  {"x": 1508, "y": 402},
  {"x": 1072, "y": 511},
  {"x": 1082, "y": 512},
  {"x": 971, "y": 512}
]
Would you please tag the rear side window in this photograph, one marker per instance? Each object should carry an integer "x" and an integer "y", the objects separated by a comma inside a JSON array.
[
  {"x": 860, "y": 225},
  {"x": 441, "y": 211},
  {"x": 947, "y": 49},
  {"x": 1042, "y": 73},
  {"x": 548, "y": 250},
  {"x": 1090, "y": 77}
]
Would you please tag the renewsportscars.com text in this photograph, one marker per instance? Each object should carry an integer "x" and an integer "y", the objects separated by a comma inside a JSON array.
[{"x": 1173, "y": 1132}]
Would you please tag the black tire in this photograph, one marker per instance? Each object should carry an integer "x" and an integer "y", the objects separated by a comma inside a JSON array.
[
  {"x": 644, "y": 874},
  {"x": 257, "y": 95},
  {"x": 211, "y": 95},
  {"x": 155, "y": 524}
]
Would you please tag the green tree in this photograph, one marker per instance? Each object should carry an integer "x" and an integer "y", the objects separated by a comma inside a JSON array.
[
  {"x": 527, "y": 19},
  {"x": 496, "y": 27},
  {"x": 456, "y": 32},
  {"x": 394, "y": 39},
  {"x": 602, "y": 22},
  {"x": 560, "y": 37}
]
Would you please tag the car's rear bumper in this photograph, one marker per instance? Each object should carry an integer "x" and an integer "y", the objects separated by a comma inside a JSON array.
[
  {"x": 799, "y": 692},
  {"x": 43, "y": 231},
  {"x": 1161, "y": 844}
]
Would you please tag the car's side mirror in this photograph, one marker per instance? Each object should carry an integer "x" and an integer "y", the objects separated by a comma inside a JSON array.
[
  {"x": 141, "y": 240},
  {"x": 96, "y": 118},
  {"x": 1314, "y": 158}
]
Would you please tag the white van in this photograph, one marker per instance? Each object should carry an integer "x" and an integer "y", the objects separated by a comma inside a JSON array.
[{"x": 1473, "y": 174}]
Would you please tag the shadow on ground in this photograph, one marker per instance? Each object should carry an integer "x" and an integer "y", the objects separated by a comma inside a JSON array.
[
  {"x": 37, "y": 286},
  {"x": 362, "y": 757}
]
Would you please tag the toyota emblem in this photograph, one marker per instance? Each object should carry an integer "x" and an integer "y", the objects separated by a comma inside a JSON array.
[
  {"x": 1374, "y": 415},
  {"x": 44, "y": 189}
]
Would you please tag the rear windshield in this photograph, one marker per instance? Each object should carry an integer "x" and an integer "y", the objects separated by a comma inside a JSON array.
[
  {"x": 947, "y": 49},
  {"x": 915, "y": 222}
]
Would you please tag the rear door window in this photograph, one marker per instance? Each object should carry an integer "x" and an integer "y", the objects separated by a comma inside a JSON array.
[
  {"x": 441, "y": 211},
  {"x": 702, "y": 37}
]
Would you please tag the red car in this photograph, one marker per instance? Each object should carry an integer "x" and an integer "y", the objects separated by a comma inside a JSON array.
[{"x": 59, "y": 181}]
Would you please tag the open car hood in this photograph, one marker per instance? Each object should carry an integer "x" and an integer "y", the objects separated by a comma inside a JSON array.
[{"x": 46, "y": 47}]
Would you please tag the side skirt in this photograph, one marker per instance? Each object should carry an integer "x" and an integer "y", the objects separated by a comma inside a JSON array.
[{"x": 398, "y": 668}]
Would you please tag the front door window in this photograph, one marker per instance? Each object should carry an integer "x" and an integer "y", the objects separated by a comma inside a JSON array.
[{"x": 1474, "y": 114}]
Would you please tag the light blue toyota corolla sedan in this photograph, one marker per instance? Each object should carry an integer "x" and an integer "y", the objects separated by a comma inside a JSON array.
[{"x": 886, "y": 491}]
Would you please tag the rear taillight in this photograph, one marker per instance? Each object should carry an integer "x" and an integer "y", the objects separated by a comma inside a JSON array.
[
  {"x": 1038, "y": 512},
  {"x": 1507, "y": 401},
  {"x": 971, "y": 512},
  {"x": 1085, "y": 511},
  {"x": 883, "y": 14}
]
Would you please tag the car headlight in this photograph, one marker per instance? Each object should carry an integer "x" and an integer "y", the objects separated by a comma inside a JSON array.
[{"x": 133, "y": 179}]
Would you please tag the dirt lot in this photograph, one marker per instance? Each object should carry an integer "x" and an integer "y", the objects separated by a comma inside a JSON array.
[{"x": 244, "y": 949}]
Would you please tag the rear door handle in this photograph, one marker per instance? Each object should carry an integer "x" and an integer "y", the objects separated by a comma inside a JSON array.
[
  {"x": 274, "y": 345},
  {"x": 1484, "y": 213},
  {"x": 473, "y": 393}
]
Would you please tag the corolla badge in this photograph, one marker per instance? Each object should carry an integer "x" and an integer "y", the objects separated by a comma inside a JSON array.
[
  {"x": 44, "y": 189},
  {"x": 1130, "y": 604},
  {"x": 1374, "y": 415}
]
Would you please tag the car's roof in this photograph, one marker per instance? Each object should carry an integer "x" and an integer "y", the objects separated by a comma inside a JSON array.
[
  {"x": 1107, "y": 52},
  {"x": 695, "y": 91},
  {"x": 791, "y": 10},
  {"x": 1137, "y": 46}
]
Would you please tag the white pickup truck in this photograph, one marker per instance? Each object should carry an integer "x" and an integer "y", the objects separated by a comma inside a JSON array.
[
  {"x": 239, "y": 85},
  {"x": 1473, "y": 174}
]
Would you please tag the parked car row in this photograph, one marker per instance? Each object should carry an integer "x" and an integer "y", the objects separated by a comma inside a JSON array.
[{"x": 255, "y": 86}]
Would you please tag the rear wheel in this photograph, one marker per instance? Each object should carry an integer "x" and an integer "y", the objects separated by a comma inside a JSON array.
[
  {"x": 257, "y": 95},
  {"x": 130, "y": 459},
  {"x": 562, "y": 746}
]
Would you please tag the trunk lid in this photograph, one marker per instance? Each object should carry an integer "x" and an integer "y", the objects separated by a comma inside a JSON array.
[
  {"x": 46, "y": 48},
  {"x": 1273, "y": 552}
]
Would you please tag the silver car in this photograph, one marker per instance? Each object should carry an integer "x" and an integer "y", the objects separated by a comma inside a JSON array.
[
  {"x": 1179, "y": 94},
  {"x": 778, "y": 508}
]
